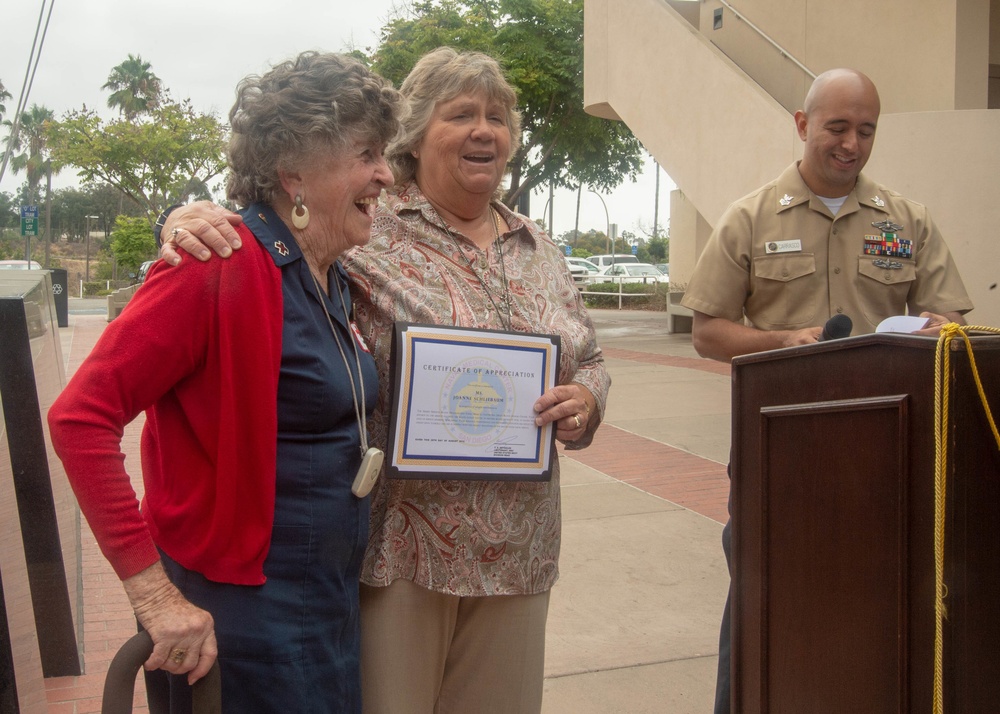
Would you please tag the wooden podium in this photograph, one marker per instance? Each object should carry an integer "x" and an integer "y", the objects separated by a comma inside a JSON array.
[{"x": 833, "y": 529}]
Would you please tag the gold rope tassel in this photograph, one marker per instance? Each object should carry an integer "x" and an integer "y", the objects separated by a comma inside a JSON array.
[{"x": 942, "y": 370}]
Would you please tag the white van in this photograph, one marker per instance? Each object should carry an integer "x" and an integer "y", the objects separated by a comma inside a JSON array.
[{"x": 603, "y": 261}]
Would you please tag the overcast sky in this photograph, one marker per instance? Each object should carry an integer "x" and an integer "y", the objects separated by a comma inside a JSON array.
[{"x": 201, "y": 49}]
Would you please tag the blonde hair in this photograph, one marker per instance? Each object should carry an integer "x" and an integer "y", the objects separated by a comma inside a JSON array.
[{"x": 440, "y": 76}]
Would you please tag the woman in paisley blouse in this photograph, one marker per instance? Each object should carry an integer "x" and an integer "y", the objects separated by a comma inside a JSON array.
[{"x": 456, "y": 578}]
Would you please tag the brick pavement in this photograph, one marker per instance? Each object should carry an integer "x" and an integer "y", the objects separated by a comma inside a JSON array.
[
  {"x": 107, "y": 620},
  {"x": 691, "y": 481}
]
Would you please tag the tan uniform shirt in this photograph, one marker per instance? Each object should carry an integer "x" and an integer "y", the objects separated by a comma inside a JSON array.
[{"x": 779, "y": 258}]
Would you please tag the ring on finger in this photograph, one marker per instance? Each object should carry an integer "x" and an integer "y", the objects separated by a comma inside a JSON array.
[
  {"x": 576, "y": 418},
  {"x": 174, "y": 232},
  {"x": 177, "y": 656}
]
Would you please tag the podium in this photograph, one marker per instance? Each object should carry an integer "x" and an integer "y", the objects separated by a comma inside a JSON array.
[{"x": 833, "y": 529}]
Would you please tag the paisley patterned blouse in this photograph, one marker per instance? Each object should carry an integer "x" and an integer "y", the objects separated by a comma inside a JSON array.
[{"x": 457, "y": 537}]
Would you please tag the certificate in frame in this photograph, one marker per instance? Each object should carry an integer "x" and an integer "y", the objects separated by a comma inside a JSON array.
[{"x": 463, "y": 404}]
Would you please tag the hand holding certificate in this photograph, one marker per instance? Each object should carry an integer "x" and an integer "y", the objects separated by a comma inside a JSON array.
[{"x": 463, "y": 404}]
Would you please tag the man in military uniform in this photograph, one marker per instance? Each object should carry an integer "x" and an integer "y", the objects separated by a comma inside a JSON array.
[{"x": 820, "y": 240}]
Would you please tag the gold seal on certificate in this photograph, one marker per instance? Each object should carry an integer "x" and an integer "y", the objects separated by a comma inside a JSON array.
[{"x": 463, "y": 404}]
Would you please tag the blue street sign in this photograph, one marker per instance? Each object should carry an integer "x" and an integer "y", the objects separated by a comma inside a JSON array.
[
  {"x": 29, "y": 211},
  {"x": 569, "y": 250}
]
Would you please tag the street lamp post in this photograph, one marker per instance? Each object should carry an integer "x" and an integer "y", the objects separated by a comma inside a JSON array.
[
  {"x": 545, "y": 210},
  {"x": 88, "y": 244}
]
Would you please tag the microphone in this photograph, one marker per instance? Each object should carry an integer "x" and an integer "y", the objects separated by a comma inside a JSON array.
[{"x": 836, "y": 327}]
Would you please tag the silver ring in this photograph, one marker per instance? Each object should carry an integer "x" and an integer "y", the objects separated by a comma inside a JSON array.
[
  {"x": 174, "y": 232},
  {"x": 576, "y": 418}
]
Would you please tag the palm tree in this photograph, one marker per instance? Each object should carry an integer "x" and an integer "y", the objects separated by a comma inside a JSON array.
[
  {"x": 30, "y": 154},
  {"x": 4, "y": 95},
  {"x": 135, "y": 89}
]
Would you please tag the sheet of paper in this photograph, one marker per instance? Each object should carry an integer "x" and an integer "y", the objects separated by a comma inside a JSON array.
[{"x": 902, "y": 323}]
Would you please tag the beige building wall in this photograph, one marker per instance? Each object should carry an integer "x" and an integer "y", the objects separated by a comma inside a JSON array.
[
  {"x": 994, "y": 71},
  {"x": 924, "y": 55},
  {"x": 715, "y": 109},
  {"x": 685, "y": 220}
]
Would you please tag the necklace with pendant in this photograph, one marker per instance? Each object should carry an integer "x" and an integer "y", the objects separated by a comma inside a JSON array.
[
  {"x": 502, "y": 303},
  {"x": 371, "y": 458}
]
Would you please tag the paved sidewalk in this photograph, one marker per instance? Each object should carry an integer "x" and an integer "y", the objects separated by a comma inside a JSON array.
[{"x": 634, "y": 619}]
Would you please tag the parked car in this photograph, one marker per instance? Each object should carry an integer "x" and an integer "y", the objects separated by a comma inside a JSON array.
[
  {"x": 583, "y": 270},
  {"x": 603, "y": 261},
  {"x": 633, "y": 273},
  {"x": 664, "y": 268},
  {"x": 19, "y": 265},
  {"x": 579, "y": 273}
]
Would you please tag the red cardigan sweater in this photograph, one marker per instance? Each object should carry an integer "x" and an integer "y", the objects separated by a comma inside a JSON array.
[{"x": 199, "y": 349}]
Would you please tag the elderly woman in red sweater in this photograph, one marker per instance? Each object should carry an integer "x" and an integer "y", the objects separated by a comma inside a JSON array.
[{"x": 249, "y": 539}]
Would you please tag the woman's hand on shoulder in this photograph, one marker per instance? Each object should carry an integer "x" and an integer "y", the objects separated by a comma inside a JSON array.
[
  {"x": 569, "y": 407},
  {"x": 183, "y": 634},
  {"x": 195, "y": 228}
]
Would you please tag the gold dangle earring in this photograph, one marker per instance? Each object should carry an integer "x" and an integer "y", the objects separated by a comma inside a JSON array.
[{"x": 300, "y": 214}]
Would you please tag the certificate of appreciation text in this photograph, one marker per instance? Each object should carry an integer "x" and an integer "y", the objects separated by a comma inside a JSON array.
[{"x": 463, "y": 404}]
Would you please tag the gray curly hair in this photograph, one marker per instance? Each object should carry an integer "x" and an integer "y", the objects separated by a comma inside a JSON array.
[
  {"x": 440, "y": 76},
  {"x": 313, "y": 104}
]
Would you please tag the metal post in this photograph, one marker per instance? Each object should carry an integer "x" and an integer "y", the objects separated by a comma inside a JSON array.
[
  {"x": 87, "y": 277},
  {"x": 87, "y": 229}
]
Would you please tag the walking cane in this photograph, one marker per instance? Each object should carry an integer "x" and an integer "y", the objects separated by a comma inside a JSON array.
[{"x": 119, "y": 685}]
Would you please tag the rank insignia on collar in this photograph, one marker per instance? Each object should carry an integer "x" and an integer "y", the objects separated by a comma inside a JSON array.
[
  {"x": 281, "y": 248},
  {"x": 887, "y": 226},
  {"x": 878, "y": 201},
  {"x": 785, "y": 200}
]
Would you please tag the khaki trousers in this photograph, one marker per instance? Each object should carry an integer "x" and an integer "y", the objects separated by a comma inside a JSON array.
[{"x": 423, "y": 652}]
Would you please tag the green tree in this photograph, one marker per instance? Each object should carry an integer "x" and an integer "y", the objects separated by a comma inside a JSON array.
[
  {"x": 593, "y": 242},
  {"x": 108, "y": 202},
  {"x": 71, "y": 206},
  {"x": 31, "y": 153},
  {"x": 29, "y": 148},
  {"x": 132, "y": 243},
  {"x": 4, "y": 96},
  {"x": 134, "y": 88},
  {"x": 540, "y": 45},
  {"x": 152, "y": 161},
  {"x": 9, "y": 215},
  {"x": 658, "y": 249},
  {"x": 67, "y": 205}
]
